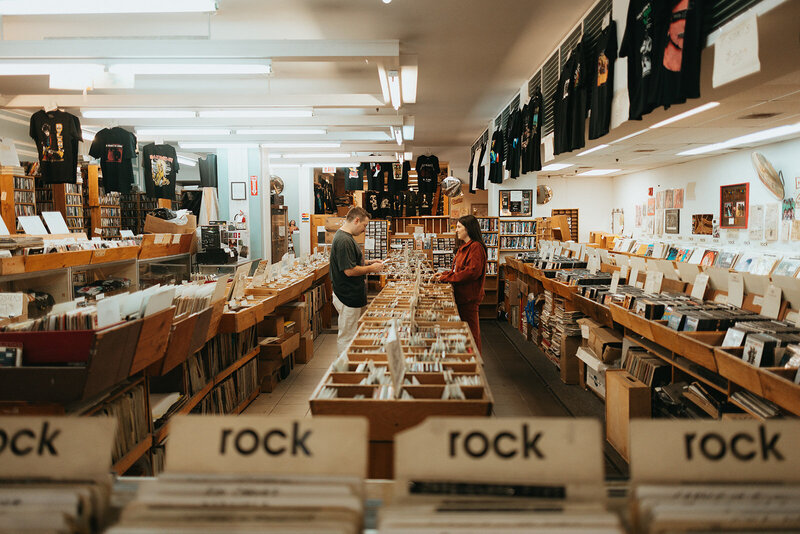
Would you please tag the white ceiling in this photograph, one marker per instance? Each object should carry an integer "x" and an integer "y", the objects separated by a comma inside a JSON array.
[{"x": 473, "y": 56}]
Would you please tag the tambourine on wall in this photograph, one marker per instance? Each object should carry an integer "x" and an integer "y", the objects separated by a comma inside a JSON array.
[{"x": 516, "y": 203}]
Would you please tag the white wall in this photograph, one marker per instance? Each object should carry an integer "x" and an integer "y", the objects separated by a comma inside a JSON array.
[
  {"x": 708, "y": 175},
  {"x": 593, "y": 196}
]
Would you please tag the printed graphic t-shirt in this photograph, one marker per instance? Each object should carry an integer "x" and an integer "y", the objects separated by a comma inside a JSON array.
[
  {"x": 427, "y": 173},
  {"x": 353, "y": 180},
  {"x": 602, "y": 81},
  {"x": 398, "y": 178},
  {"x": 115, "y": 148},
  {"x": 680, "y": 47},
  {"x": 56, "y": 134},
  {"x": 638, "y": 45},
  {"x": 160, "y": 164}
]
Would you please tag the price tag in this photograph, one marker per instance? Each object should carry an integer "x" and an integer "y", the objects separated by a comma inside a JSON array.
[
  {"x": 735, "y": 289},
  {"x": 11, "y": 304},
  {"x": 614, "y": 282},
  {"x": 699, "y": 286},
  {"x": 274, "y": 445},
  {"x": 653, "y": 281},
  {"x": 98, "y": 231},
  {"x": 176, "y": 239},
  {"x": 772, "y": 302}
]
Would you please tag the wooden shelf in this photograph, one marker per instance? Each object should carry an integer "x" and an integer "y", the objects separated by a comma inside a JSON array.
[
  {"x": 217, "y": 380},
  {"x": 133, "y": 455}
]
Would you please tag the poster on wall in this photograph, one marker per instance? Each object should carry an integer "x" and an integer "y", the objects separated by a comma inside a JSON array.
[
  {"x": 659, "y": 230},
  {"x": 651, "y": 206},
  {"x": 638, "y": 220},
  {"x": 702, "y": 223},
  {"x": 772, "y": 221},
  {"x": 672, "y": 221},
  {"x": 669, "y": 198},
  {"x": 796, "y": 230},
  {"x": 788, "y": 209},
  {"x": 733, "y": 205},
  {"x": 516, "y": 203},
  {"x": 678, "y": 200},
  {"x": 756, "y": 222},
  {"x": 648, "y": 224}
]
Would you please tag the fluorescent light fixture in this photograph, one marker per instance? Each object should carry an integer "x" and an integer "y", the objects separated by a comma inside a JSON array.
[
  {"x": 180, "y": 132},
  {"x": 681, "y": 116},
  {"x": 384, "y": 83},
  {"x": 556, "y": 166},
  {"x": 254, "y": 113},
  {"x": 756, "y": 137},
  {"x": 45, "y": 69},
  {"x": 595, "y": 149},
  {"x": 408, "y": 156},
  {"x": 138, "y": 114},
  {"x": 281, "y": 131},
  {"x": 408, "y": 132},
  {"x": 335, "y": 155},
  {"x": 398, "y": 135},
  {"x": 183, "y": 160},
  {"x": 301, "y": 145},
  {"x": 599, "y": 172},
  {"x": 174, "y": 69},
  {"x": 86, "y": 7},
  {"x": 408, "y": 76},
  {"x": 214, "y": 146},
  {"x": 394, "y": 88},
  {"x": 634, "y": 134}
]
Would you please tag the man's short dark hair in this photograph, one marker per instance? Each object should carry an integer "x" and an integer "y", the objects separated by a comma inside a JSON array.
[{"x": 357, "y": 212}]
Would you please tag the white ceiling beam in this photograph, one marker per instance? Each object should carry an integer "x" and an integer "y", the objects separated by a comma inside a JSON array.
[
  {"x": 164, "y": 49},
  {"x": 208, "y": 101},
  {"x": 343, "y": 121}
]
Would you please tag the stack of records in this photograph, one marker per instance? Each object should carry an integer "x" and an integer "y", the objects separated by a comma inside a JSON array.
[{"x": 197, "y": 503}]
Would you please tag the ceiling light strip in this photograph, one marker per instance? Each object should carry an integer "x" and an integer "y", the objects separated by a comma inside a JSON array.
[
  {"x": 752, "y": 138},
  {"x": 89, "y": 7}
]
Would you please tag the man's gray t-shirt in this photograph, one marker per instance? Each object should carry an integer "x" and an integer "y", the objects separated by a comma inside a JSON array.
[{"x": 346, "y": 254}]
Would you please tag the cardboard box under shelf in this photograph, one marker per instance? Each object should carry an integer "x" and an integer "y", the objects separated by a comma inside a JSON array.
[
  {"x": 280, "y": 348},
  {"x": 626, "y": 398},
  {"x": 305, "y": 351},
  {"x": 271, "y": 326},
  {"x": 593, "y": 371},
  {"x": 297, "y": 312},
  {"x": 156, "y": 225}
]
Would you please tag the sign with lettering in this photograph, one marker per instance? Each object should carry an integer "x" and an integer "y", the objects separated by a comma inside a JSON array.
[
  {"x": 57, "y": 448},
  {"x": 735, "y": 289},
  {"x": 504, "y": 450},
  {"x": 270, "y": 445},
  {"x": 11, "y": 304},
  {"x": 699, "y": 286},
  {"x": 253, "y": 186},
  {"x": 714, "y": 451}
]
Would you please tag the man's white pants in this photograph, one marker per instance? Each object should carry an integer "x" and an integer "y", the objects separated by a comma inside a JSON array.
[{"x": 348, "y": 324}]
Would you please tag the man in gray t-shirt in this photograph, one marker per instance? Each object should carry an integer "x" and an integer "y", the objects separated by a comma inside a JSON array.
[{"x": 348, "y": 275}]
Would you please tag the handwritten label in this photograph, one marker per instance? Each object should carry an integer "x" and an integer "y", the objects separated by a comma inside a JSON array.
[
  {"x": 772, "y": 302},
  {"x": 507, "y": 450},
  {"x": 11, "y": 304},
  {"x": 276, "y": 445},
  {"x": 736, "y": 51},
  {"x": 176, "y": 239},
  {"x": 735, "y": 289},
  {"x": 707, "y": 452},
  {"x": 614, "y": 282},
  {"x": 699, "y": 286},
  {"x": 55, "y": 447}
]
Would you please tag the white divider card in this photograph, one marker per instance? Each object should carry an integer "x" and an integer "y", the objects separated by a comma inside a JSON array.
[
  {"x": 614, "y": 282},
  {"x": 653, "y": 282},
  {"x": 11, "y": 304},
  {"x": 546, "y": 452},
  {"x": 623, "y": 272},
  {"x": 680, "y": 451},
  {"x": 56, "y": 448},
  {"x": 700, "y": 285},
  {"x": 3, "y": 227},
  {"x": 219, "y": 289},
  {"x": 771, "y": 305},
  {"x": 633, "y": 280},
  {"x": 32, "y": 225},
  {"x": 260, "y": 274},
  {"x": 594, "y": 263},
  {"x": 735, "y": 289},
  {"x": 55, "y": 222},
  {"x": 394, "y": 356},
  {"x": 176, "y": 239},
  {"x": 638, "y": 263},
  {"x": 688, "y": 271},
  {"x": 245, "y": 444}
]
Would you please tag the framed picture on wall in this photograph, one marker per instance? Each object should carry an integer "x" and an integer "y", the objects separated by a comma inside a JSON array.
[
  {"x": 734, "y": 204},
  {"x": 238, "y": 191},
  {"x": 672, "y": 221},
  {"x": 480, "y": 210},
  {"x": 702, "y": 223},
  {"x": 516, "y": 203}
]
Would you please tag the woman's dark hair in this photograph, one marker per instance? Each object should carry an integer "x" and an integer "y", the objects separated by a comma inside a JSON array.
[{"x": 473, "y": 229}]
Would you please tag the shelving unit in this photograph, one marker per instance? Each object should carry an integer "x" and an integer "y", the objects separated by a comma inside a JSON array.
[
  {"x": 110, "y": 216},
  {"x": 24, "y": 197},
  {"x": 490, "y": 230},
  {"x": 572, "y": 221},
  {"x": 102, "y": 214},
  {"x": 44, "y": 196},
  {"x": 135, "y": 207},
  {"x": 430, "y": 224},
  {"x": 517, "y": 235}
]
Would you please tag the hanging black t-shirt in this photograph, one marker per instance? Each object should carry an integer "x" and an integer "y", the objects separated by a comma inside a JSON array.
[
  {"x": 398, "y": 178},
  {"x": 480, "y": 181},
  {"x": 56, "y": 134},
  {"x": 638, "y": 45},
  {"x": 384, "y": 204},
  {"x": 561, "y": 101},
  {"x": 536, "y": 113},
  {"x": 398, "y": 204},
  {"x": 515, "y": 143},
  {"x": 579, "y": 103},
  {"x": 680, "y": 46},
  {"x": 377, "y": 174},
  {"x": 496, "y": 157},
  {"x": 412, "y": 199},
  {"x": 208, "y": 170},
  {"x": 319, "y": 200},
  {"x": 427, "y": 173},
  {"x": 353, "y": 180},
  {"x": 371, "y": 204},
  {"x": 425, "y": 203},
  {"x": 115, "y": 148},
  {"x": 525, "y": 140},
  {"x": 602, "y": 81},
  {"x": 160, "y": 164}
]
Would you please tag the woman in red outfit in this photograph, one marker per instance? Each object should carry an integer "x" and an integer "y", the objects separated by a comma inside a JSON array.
[{"x": 468, "y": 273}]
